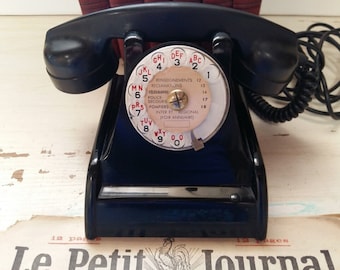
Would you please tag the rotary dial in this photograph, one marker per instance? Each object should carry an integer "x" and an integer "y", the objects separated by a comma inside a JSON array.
[{"x": 177, "y": 97}]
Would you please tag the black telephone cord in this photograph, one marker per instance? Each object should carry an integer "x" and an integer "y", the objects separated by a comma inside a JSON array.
[{"x": 309, "y": 79}]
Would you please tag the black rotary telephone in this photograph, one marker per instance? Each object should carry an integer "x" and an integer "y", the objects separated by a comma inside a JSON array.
[{"x": 176, "y": 153}]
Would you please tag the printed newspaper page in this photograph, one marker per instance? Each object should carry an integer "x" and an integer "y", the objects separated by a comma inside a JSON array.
[{"x": 306, "y": 243}]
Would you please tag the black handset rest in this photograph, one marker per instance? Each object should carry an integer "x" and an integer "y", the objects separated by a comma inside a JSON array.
[{"x": 79, "y": 58}]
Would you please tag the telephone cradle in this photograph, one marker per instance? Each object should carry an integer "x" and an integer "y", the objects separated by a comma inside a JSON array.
[{"x": 176, "y": 154}]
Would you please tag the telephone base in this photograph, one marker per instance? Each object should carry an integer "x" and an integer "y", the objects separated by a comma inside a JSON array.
[{"x": 219, "y": 191}]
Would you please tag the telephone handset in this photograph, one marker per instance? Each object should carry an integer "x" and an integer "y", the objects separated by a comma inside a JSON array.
[
  {"x": 176, "y": 153},
  {"x": 265, "y": 53}
]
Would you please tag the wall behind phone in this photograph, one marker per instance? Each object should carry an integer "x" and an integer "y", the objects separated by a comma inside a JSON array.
[{"x": 269, "y": 7}]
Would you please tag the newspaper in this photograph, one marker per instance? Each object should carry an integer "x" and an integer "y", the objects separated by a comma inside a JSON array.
[{"x": 306, "y": 243}]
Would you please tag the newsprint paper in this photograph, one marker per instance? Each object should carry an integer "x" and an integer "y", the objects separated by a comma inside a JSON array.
[{"x": 300, "y": 243}]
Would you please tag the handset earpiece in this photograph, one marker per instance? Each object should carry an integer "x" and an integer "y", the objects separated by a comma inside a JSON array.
[
  {"x": 78, "y": 65},
  {"x": 268, "y": 65}
]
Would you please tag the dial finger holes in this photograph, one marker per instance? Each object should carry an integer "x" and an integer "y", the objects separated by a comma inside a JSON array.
[{"x": 176, "y": 91}]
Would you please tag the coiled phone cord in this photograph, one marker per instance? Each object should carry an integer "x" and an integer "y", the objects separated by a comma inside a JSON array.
[{"x": 309, "y": 80}]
